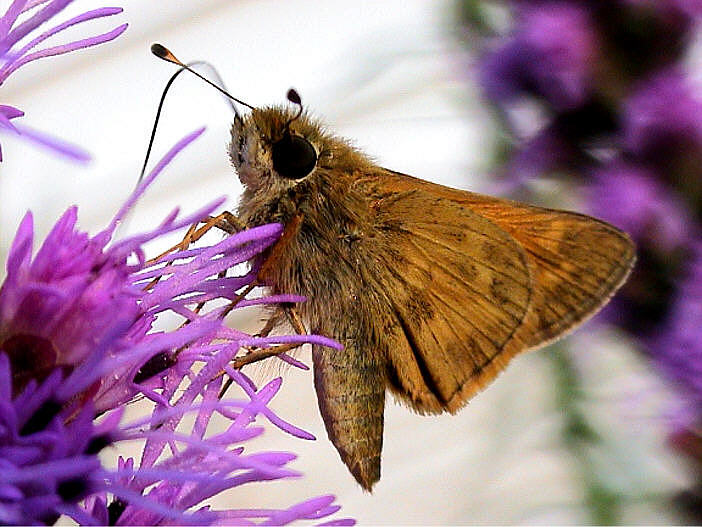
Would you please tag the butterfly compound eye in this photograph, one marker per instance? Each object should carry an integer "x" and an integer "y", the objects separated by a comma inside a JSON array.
[{"x": 293, "y": 157}]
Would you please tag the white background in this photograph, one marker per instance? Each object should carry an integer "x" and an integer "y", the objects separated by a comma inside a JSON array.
[{"x": 391, "y": 76}]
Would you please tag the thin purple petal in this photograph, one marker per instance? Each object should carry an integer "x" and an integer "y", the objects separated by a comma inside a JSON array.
[
  {"x": 65, "y": 48},
  {"x": 54, "y": 144},
  {"x": 32, "y": 23},
  {"x": 90, "y": 15}
]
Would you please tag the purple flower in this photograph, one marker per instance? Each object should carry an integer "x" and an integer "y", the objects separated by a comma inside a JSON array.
[
  {"x": 636, "y": 200},
  {"x": 662, "y": 118},
  {"x": 78, "y": 298},
  {"x": 678, "y": 348},
  {"x": 671, "y": 9},
  {"x": 16, "y": 27},
  {"x": 48, "y": 457},
  {"x": 76, "y": 336},
  {"x": 544, "y": 153},
  {"x": 48, "y": 461},
  {"x": 633, "y": 144},
  {"x": 205, "y": 467},
  {"x": 550, "y": 54}
]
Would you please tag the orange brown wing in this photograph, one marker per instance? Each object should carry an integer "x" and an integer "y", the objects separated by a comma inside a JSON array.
[{"x": 497, "y": 277}]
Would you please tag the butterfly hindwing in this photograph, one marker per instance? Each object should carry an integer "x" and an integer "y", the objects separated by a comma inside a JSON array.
[{"x": 461, "y": 288}]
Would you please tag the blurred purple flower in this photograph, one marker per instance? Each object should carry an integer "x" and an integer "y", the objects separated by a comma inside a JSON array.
[
  {"x": 15, "y": 27},
  {"x": 663, "y": 117},
  {"x": 543, "y": 153},
  {"x": 550, "y": 55},
  {"x": 633, "y": 144},
  {"x": 679, "y": 345},
  {"x": 76, "y": 331},
  {"x": 689, "y": 9},
  {"x": 636, "y": 200}
]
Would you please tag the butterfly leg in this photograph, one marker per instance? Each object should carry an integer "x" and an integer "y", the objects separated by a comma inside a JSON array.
[
  {"x": 229, "y": 223},
  {"x": 293, "y": 316},
  {"x": 256, "y": 355},
  {"x": 295, "y": 319},
  {"x": 226, "y": 221},
  {"x": 261, "y": 278}
]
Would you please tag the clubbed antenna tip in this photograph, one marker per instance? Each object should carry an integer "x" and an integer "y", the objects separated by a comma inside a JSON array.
[
  {"x": 294, "y": 97},
  {"x": 162, "y": 52}
]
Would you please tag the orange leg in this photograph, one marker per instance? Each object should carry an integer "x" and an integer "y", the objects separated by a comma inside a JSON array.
[
  {"x": 225, "y": 221},
  {"x": 259, "y": 354},
  {"x": 230, "y": 224}
]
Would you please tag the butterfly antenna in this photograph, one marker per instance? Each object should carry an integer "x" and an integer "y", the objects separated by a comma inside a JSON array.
[
  {"x": 163, "y": 53},
  {"x": 158, "y": 117},
  {"x": 294, "y": 98}
]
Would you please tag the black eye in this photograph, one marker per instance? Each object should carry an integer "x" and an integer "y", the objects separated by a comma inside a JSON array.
[{"x": 293, "y": 156}]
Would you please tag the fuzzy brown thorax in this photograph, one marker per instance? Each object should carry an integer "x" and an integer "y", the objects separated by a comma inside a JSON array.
[{"x": 331, "y": 200}]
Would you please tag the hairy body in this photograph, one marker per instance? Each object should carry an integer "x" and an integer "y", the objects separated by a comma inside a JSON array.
[{"x": 431, "y": 290}]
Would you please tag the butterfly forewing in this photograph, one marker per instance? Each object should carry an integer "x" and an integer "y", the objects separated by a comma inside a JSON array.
[
  {"x": 482, "y": 279},
  {"x": 578, "y": 262}
]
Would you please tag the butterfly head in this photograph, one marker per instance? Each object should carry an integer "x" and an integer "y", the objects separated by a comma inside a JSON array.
[{"x": 275, "y": 147}]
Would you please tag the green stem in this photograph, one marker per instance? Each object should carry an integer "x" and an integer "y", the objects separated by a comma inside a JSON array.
[{"x": 579, "y": 436}]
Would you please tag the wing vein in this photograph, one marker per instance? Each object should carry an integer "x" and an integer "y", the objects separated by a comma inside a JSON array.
[
  {"x": 428, "y": 379},
  {"x": 448, "y": 247},
  {"x": 469, "y": 286}
]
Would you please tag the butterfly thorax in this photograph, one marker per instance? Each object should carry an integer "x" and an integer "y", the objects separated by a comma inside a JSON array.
[{"x": 332, "y": 256}]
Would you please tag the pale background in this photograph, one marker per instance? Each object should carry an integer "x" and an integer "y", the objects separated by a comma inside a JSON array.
[{"x": 391, "y": 76}]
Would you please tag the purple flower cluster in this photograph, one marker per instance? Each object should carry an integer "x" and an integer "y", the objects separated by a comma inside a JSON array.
[
  {"x": 622, "y": 120},
  {"x": 18, "y": 48},
  {"x": 79, "y": 339},
  {"x": 536, "y": 59}
]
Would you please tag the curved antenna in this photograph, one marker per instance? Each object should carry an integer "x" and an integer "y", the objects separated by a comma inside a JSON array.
[
  {"x": 158, "y": 116},
  {"x": 220, "y": 83},
  {"x": 163, "y": 53},
  {"x": 294, "y": 98}
]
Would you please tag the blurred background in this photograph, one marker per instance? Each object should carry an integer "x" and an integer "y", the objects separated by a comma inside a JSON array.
[{"x": 590, "y": 106}]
